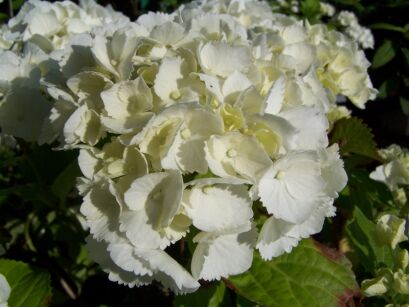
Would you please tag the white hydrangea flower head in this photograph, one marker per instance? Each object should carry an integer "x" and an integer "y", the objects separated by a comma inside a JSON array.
[{"x": 186, "y": 123}]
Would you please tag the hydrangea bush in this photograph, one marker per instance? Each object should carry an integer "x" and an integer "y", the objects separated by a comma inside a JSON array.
[{"x": 205, "y": 127}]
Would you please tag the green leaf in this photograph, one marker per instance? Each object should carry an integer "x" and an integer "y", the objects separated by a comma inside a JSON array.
[
  {"x": 3, "y": 16},
  {"x": 365, "y": 193},
  {"x": 405, "y": 52},
  {"x": 310, "y": 8},
  {"x": 387, "y": 26},
  {"x": 65, "y": 182},
  {"x": 384, "y": 54},
  {"x": 210, "y": 296},
  {"x": 144, "y": 4},
  {"x": 353, "y": 136},
  {"x": 17, "y": 4},
  {"x": 30, "y": 287},
  {"x": 389, "y": 87},
  {"x": 361, "y": 235},
  {"x": 404, "y": 103},
  {"x": 311, "y": 275}
]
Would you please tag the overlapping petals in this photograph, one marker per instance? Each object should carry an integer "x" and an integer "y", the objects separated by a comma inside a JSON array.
[{"x": 189, "y": 126}]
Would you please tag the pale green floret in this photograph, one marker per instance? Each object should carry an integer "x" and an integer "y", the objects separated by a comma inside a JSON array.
[
  {"x": 391, "y": 230},
  {"x": 378, "y": 285},
  {"x": 401, "y": 282}
]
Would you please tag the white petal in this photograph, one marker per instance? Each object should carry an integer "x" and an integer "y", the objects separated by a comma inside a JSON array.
[
  {"x": 83, "y": 126},
  {"x": 291, "y": 187},
  {"x": 5, "y": 290},
  {"x": 315, "y": 221},
  {"x": 333, "y": 171},
  {"x": 219, "y": 207},
  {"x": 274, "y": 239},
  {"x": 275, "y": 97},
  {"x": 168, "y": 33},
  {"x": 275, "y": 133},
  {"x": 129, "y": 125},
  {"x": 153, "y": 201},
  {"x": 88, "y": 163},
  {"x": 88, "y": 84},
  {"x": 221, "y": 59},
  {"x": 213, "y": 85},
  {"x": 122, "y": 254},
  {"x": 151, "y": 19},
  {"x": 235, "y": 154},
  {"x": 166, "y": 81},
  {"x": 98, "y": 251},
  {"x": 170, "y": 273},
  {"x": 101, "y": 210},
  {"x": 303, "y": 56},
  {"x": 250, "y": 101},
  {"x": 235, "y": 84},
  {"x": 175, "y": 137},
  {"x": 223, "y": 255},
  {"x": 115, "y": 54},
  {"x": 127, "y": 98},
  {"x": 312, "y": 133}
]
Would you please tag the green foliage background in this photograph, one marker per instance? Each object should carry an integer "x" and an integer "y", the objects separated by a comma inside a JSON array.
[{"x": 41, "y": 236}]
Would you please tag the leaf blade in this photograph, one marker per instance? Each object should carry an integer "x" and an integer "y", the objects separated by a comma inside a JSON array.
[
  {"x": 294, "y": 279},
  {"x": 353, "y": 136},
  {"x": 384, "y": 54},
  {"x": 29, "y": 286}
]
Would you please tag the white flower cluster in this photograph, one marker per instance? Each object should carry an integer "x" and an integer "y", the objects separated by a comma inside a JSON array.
[
  {"x": 190, "y": 122},
  {"x": 351, "y": 25},
  {"x": 346, "y": 21}
]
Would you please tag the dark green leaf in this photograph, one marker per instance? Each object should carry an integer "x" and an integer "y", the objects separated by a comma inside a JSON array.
[
  {"x": 404, "y": 103},
  {"x": 3, "y": 17},
  {"x": 365, "y": 193},
  {"x": 30, "y": 287},
  {"x": 17, "y": 4},
  {"x": 387, "y": 26},
  {"x": 211, "y": 296},
  {"x": 310, "y": 8},
  {"x": 362, "y": 238},
  {"x": 353, "y": 136},
  {"x": 311, "y": 275},
  {"x": 389, "y": 87},
  {"x": 405, "y": 52},
  {"x": 243, "y": 302},
  {"x": 144, "y": 4},
  {"x": 384, "y": 54},
  {"x": 65, "y": 182}
]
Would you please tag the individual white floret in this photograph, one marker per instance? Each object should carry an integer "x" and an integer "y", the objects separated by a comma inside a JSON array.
[
  {"x": 222, "y": 255},
  {"x": 291, "y": 188},
  {"x": 218, "y": 207},
  {"x": 222, "y": 59},
  {"x": 236, "y": 155},
  {"x": 115, "y": 53},
  {"x": 150, "y": 218},
  {"x": 175, "y": 138}
]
